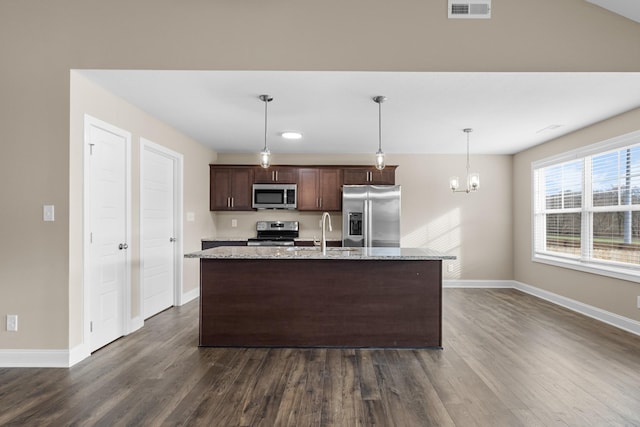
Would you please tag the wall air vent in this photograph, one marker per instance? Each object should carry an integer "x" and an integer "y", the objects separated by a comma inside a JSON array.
[{"x": 475, "y": 9}]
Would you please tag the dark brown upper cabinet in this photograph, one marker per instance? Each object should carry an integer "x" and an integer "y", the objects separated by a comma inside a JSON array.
[
  {"x": 320, "y": 189},
  {"x": 276, "y": 174},
  {"x": 357, "y": 175},
  {"x": 230, "y": 188}
]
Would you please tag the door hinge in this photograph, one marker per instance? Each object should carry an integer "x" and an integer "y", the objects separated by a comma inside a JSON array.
[
  {"x": 91, "y": 237},
  {"x": 91, "y": 149},
  {"x": 91, "y": 326}
]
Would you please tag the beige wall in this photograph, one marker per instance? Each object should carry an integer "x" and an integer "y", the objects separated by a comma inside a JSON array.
[
  {"x": 616, "y": 296},
  {"x": 88, "y": 98},
  {"x": 458, "y": 224},
  {"x": 40, "y": 42}
]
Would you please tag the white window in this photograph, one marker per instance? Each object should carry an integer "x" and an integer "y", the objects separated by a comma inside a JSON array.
[{"x": 586, "y": 208}]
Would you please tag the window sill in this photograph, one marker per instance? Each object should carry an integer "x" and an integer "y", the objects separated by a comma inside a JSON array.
[{"x": 630, "y": 274}]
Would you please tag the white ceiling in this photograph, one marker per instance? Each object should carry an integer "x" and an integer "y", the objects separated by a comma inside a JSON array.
[
  {"x": 627, "y": 8},
  {"x": 425, "y": 112}
]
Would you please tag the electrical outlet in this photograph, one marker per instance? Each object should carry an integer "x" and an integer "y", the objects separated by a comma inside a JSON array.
[
  {"x": 234, "y": 223},
  {"x": 450, "y": 268},
  {"x": 12, "y": 322}
]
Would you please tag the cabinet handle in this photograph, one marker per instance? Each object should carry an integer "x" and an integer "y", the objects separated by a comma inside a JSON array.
[
  {"x": 228, "y": 202},
  {"x": 276, "y": 172},
  {"x": 320, "y": 202},
  {"x": 232, "y": 202},
  {"x": 273, "y": 176},
  {"x": 370, "y": 177}
]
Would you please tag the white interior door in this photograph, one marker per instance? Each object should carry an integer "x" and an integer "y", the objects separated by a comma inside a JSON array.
[
  {"x": 158, "y": 226},
  {"x": 107, "y": 260}
]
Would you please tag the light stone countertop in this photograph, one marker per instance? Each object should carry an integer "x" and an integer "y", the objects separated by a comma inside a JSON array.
[
  {"x": 244, "y": 239},
  {"x": 343, "y": 253}
]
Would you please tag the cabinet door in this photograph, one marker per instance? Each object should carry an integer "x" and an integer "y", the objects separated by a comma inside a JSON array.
[
  {"x": 287, "y": 175},
  {"x": 319, "y": 189},
  {"x": 330, "y": 189},
  {"x": 230, "y": 188},
  {"x": 386, "y": 176},
  {"x": 308, "y": 184},
  {"x": 220, "y": 189},
  {"x": 241, "y": 183},
  {"x": 369, "y": 175},
  {"x": 356, "y": 176},
  {"x": 282, "y": 175}
]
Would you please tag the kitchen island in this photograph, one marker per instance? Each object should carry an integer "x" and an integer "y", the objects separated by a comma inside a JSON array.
[{"x": 300, "y": 297}]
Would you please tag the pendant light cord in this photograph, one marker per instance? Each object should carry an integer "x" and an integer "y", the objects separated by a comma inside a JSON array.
[
  {"x": 266, "y": 101},
  {"x": 468, "y": 162},
  {"x": 379, "y": 126}
]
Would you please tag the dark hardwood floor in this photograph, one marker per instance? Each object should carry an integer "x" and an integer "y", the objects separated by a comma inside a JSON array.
[{"x": 509, "y": 359}]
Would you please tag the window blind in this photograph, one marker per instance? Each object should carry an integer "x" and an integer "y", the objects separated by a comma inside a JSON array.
[{"x": 587, "y": 209}]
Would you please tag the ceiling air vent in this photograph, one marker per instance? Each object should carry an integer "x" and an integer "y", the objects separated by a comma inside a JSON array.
[{"x": 477, "y": 9}]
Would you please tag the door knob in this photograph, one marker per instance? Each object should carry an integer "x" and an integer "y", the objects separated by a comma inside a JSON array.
[{"x": 172, "y": 239}]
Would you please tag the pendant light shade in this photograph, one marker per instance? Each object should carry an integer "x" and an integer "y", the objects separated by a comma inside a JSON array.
[
  {"x": 473, "y": 179},
  {"x": 379, "y": 154},
  {"x": 265, "y": 154}
]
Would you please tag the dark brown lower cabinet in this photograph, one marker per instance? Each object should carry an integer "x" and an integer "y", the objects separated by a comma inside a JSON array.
[{"x": 320, "y": 303}]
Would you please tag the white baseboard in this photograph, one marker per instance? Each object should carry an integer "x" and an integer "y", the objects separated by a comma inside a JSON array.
[
  {"x": 190, "y": 296},
  {"x": 612, "y": 319},
  {"x": 493, "y": 284},
  {"x": 34, "y": 358},
  {"x": 78, "y": 354},
  {"x": 135, "y": 324}
]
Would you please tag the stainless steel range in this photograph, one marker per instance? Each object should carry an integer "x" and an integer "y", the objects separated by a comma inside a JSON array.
[{"x": 275, "y": 233}]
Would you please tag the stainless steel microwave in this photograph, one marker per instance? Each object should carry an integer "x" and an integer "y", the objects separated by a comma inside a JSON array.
[{"x": 274, "y": 196}]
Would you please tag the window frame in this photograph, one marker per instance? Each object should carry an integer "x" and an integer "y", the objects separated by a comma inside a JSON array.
[{"x": 583, "y": 262}]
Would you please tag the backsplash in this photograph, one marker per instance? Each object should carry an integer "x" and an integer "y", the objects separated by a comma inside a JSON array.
[{"x": 246, "y": 223}]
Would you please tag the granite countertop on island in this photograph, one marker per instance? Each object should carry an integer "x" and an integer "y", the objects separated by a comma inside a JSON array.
[{"x": 344, "y": 253}]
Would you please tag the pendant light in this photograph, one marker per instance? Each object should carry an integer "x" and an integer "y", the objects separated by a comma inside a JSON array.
[
  {"x": 379, "y": 154},
  {"x": 473, "y": 179},
  {"x": 265, "y": 154}
]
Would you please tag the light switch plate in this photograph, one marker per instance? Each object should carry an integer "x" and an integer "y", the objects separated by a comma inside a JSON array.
[
  {"x": 12, "y": 322},
  {"x": 48, "y": 213}
]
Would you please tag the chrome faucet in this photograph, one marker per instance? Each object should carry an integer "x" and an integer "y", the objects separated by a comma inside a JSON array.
[{"x": 323, "y": 243}]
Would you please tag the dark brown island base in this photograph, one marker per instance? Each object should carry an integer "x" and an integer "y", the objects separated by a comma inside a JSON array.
[{"x": 298, "y": 297}]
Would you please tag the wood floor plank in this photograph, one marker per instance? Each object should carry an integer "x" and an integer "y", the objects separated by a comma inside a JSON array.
[
  {"x": 509, "y": 359},
  {"x": 342, "y": 403}
]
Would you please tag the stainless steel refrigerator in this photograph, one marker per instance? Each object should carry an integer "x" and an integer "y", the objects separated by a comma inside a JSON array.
[{"x": 371, "y": 215}]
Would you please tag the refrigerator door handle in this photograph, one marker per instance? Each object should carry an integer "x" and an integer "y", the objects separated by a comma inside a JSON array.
[
  {"x": 365, "y": 223},
  {"x": 370, "y": 230}
]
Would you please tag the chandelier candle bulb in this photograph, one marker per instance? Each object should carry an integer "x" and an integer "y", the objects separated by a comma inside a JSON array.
[
  {"x": 474, "y": 181},
  {"x": 454, "y": 183}
]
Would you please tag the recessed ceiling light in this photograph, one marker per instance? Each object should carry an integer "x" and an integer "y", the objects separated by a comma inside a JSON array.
[{"x": 291, "y": 135}]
